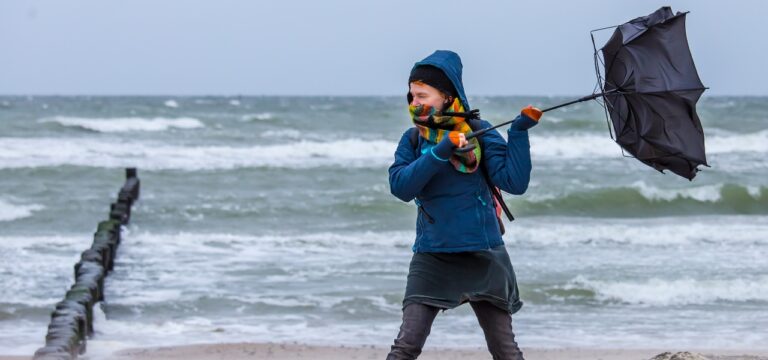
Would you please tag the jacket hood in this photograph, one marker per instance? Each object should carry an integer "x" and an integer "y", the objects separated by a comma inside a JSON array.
[{"x": 450, "y": 63}]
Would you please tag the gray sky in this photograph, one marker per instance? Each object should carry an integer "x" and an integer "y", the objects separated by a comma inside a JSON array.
[{"x": 336, "y": 47}]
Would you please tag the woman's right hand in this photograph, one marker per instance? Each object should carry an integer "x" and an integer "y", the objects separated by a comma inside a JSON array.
[
  {"x": 532, "y": 112},
  {"x": 458, "y": 138},
  {"x": 528, "y": 118}
]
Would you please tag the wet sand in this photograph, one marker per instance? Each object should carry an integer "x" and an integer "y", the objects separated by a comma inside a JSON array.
[{"x": 278, "y": 351}]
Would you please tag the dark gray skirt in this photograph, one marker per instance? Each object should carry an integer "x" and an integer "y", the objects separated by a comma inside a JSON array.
[{"x": 447, "y": 280}]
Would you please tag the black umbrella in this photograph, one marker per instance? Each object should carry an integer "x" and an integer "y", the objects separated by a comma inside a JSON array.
[{"x": 650, "y": 91}]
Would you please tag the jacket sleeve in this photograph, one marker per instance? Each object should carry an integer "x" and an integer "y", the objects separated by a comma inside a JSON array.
[
  {"x": 508, "y": 162},
  {"x": 409, "y": 173}
]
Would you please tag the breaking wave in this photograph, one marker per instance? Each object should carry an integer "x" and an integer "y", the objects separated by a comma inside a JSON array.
[
  {"x": 112, "y": 125},
  {"x": 11, "y": 212},
  {"x": 36, "y": 152},
  {"x": 593, "y": 145},
  {"x": 640, "y": 199},
  {"x": 668, "y": 292}
]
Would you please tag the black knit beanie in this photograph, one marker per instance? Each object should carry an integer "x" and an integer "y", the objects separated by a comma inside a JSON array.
[{"x": 433, "y": 77}]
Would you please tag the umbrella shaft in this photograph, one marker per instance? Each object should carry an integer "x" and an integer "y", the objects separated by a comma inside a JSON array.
[{"x": 586, "y": 98}]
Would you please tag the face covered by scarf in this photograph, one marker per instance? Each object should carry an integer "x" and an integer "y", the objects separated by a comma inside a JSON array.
[{"x": 434, "y": 127}]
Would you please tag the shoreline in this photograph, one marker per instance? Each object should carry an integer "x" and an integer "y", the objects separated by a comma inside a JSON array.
[{"x": 285, "y": 351}]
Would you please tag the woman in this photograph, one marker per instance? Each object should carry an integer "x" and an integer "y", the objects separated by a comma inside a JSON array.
[{"x": 459, "y": 255}]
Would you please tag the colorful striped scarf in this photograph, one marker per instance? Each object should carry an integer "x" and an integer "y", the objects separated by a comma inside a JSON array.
[{"x": 434, "y": 127}]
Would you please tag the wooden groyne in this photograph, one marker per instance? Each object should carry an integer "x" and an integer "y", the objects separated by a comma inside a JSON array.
[{"x": 72, "y": 318}]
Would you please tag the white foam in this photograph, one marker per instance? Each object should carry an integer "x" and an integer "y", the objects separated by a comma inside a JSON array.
[
  {"x": 34, "y": 266},
  {"x": 706, "y": 193},
  {"x": 573, "y": 146},
  {"x": 310, "y": 242},
  {"x": 554, "y": 119},
  {"x": 11, "y": 212},
  {"x": 234, "y": 102},
  {"x": 174, "y": 260},
  {"x": 754, "y": 191},
  {"x": 687, "y": 291},
  {"x": 724, "y": 230},
  {"x": 260, "y": 117},
  {"x": 284, "y": 134},
  {"x": 36, "y": 152},
  {"x": 590, "y": 145},
  {"x": 171, "y": 104},
  {"x": 148, "y": 296},
  {"x": 110, "y": 125},
  {"x": 711, "y": 193},
  {"x": 737, "y": 143}
]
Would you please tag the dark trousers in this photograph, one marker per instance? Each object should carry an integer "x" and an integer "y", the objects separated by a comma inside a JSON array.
[{"x": 417, "y": 322}]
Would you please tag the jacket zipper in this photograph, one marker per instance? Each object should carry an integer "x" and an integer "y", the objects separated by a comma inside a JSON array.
[
  {"x": 429, "y": 217},
  {"x": 424, "y": 212},
  {"x": 481, "y": 217}
]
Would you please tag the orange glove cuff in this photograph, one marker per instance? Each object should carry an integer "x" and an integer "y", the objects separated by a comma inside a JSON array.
[
  {"x": 454, "y": 136},
  {"x": 532, "y": 112}
]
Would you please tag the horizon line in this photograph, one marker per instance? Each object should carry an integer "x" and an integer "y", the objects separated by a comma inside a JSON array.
[{"x": 314, "y": 95}]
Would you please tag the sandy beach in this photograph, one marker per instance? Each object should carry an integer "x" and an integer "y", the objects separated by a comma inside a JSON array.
[
  {"x": 298, "y": 351},
  {"x": 280, "y": 351}
]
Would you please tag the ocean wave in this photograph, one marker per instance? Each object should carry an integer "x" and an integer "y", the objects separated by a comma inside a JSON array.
[
  {"x": 284, "y": 134},
  {"x": 111, "y": 125},
  {"x": 580, "y": 145},
  {"x": 736, "y": 143},
  {"x": 640, "y": 199},
  {"x": 35, "y": 152},
  {"x": 299, "y": 152},
  {"x": 573, "y": 146},
  {"x": 669, "y": 292},
  {"x": 171, "y": 103},
  {"x": 10, "y": 211},
  {"x": 721, "y": 231},
  {"x": 35, "y": 268},
  {"x": 208, "y": 243},
  {"x": 265, "y": 116}
]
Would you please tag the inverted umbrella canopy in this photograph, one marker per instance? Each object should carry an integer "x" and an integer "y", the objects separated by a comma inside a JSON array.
[
  {"x": 650, "y": 91},
  {"x": 651, "y": 88}
]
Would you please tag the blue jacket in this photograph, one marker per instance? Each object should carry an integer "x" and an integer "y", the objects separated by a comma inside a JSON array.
[{"x": 456, "y": 211}]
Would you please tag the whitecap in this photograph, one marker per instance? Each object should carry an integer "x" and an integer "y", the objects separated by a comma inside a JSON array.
[
  {"x": 590, "y": 145},
  {"x": 110, "y": 125},
  {"x": 35, "y": 152},
  {"x": 258, "y": 117},
  {"x": 683, "y": 291},
  {"x": 736, "y": 143},
  {"x": 705, "y": 193},
  {"x": 733, "y": 230},
  {"x": 575, "y": 146},
  {"x": 10, "y": 211},
  {"x": 171, "y": 104},
  {"x": 283, "y": 134}
]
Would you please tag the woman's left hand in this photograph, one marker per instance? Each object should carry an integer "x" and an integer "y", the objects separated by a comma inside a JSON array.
[
  {"x": 458, "y": 139},
  {"x": 463, "y": 140}
]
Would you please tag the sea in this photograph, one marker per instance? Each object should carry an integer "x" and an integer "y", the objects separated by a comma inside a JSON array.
[{"x": 270, "y": 219}]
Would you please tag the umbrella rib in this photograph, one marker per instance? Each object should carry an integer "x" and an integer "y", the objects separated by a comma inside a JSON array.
[
  {"x": 600, "y": 81},
  {"x": 668, "y": 90}
]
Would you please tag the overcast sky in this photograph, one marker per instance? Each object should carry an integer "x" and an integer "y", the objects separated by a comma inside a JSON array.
[{"x": 335, "y": 47}]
